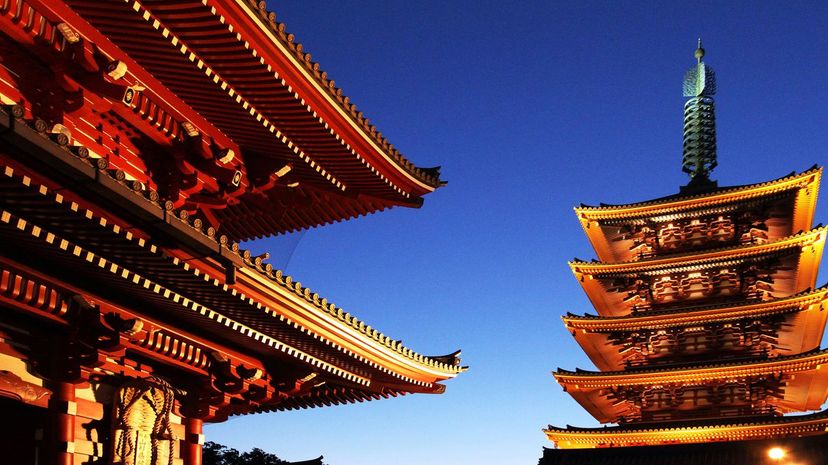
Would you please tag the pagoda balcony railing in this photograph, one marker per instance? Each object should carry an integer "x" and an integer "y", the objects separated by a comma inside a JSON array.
[
  {"x": 678, "y": 359},
  {"x": 695, "y": 237},
  {"x": 669, "y": 415},
  {"x": 688, "y": 305}
]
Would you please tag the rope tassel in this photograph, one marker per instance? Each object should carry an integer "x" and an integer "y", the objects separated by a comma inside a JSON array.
[{"x": 143, "y": 432}]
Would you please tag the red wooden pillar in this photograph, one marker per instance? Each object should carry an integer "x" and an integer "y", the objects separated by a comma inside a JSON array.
[
  {"x": 193, "y": 441},
  {"x": 64, "y": 410}
]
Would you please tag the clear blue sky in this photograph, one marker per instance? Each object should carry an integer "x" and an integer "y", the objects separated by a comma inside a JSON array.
[{"x": 531, "y": 108}]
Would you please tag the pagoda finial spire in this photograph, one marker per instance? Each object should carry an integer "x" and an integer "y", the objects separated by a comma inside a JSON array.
[
  {"x": 699, "y": 52},
  {"x": 699, "y": 124}
]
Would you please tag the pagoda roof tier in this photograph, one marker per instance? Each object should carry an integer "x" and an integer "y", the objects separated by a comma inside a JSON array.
[
  {"x": 804, "y": 385},
  {"x": 237, "y": 80},
  {"x": 688, "y": 432},
  {"x": 800, "y": 449},
  {"x": 797, "y": 261},
  {"x": 228, "y": 296},
  {"x": 793, "y": 198},
  {"x": 804, "y": 317}
]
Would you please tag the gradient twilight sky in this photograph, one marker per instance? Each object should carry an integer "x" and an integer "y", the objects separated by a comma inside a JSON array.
[{"x": 531, "y": 109}]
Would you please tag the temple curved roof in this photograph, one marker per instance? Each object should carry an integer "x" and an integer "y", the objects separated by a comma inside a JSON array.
[
  {"x": 688, "y": 431},
  {"x": 429, "y": 176},
  {"x": 690, "y": 372},
  {"x": 612, "y": 396},
  {"x": 679, "y": 202},
  {"x": 304, "y": 155},
  {"x": 698, "y": 259},
  {"x": 612, "y": 342},
  {"x": 662, "y": 318},
  {"x": 261, "y": 310},
  {"x": 143, "y": 140}
]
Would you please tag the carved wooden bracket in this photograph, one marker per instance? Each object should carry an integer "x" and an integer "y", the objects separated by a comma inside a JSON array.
[{"x": 14, "y": 387}]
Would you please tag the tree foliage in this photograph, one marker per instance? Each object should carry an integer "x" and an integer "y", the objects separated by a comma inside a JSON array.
[{"x": 217, "y": 454}]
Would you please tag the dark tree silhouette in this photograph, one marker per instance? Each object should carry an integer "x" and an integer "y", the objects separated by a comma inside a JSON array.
[{"x": 217, "y": 454}]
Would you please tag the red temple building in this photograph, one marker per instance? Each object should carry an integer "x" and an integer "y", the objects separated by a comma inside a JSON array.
[
  {"x": 709, "y": 320},
  {"x": 140, "y": 142}
]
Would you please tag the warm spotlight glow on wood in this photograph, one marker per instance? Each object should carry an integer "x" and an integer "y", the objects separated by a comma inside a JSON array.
[{"x": 776, "y": 453}]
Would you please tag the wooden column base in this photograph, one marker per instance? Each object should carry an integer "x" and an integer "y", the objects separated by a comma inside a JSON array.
[
  {"x": 194, "y": 441},
  {"x": 64, "y": 407}
]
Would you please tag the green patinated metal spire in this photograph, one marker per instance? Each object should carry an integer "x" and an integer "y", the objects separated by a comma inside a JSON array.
[
  {"x": 699, "y": 80},
  {"x": 699, "y": 124}
]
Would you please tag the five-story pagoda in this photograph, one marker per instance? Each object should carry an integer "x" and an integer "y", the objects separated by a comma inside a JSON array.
[{"x": 709, "y": 321}]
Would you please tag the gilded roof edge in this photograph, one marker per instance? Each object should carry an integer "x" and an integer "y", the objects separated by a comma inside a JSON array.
[
  {"x": 814, "y": 354},
  {"x": 695, "y": 256},
  {"x": 430, "y": 176},
  {"x": 449, "y": 362},
  {"x": 647, "y": 428},
  {"x": 783, "y": 304},
  {"x": 589, "y": 210}
]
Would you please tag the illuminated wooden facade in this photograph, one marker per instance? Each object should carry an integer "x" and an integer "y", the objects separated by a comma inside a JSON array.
[
  {"x": 708, "y": 325},
  {"x": 140, "y": 143}
]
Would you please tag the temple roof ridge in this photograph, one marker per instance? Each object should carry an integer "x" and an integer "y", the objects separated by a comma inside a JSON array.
[
  {"x": 693, "y": 424},
  {"x": 680, "y": 311},
  {"x": 452, "y": 359},
  {"x": 267, "y": 18},
  {"x": 816, "y": 353},
  {"x": 449, "y": 362},
  {"x": 704, "y": 255},
  {"x": 680, "y": 197}
]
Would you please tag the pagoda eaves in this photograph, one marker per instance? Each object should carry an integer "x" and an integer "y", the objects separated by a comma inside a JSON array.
[
  {"x": 700, "y": 431},
  {"x": 803, "y": 183},
  {"x": 799, "y": 258},
  {"x": 603, "y": 225},
  {"x": 809, "y": 240},
  {"x": 800, "y": 325},
  {"x": 615, "y": 396}
]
